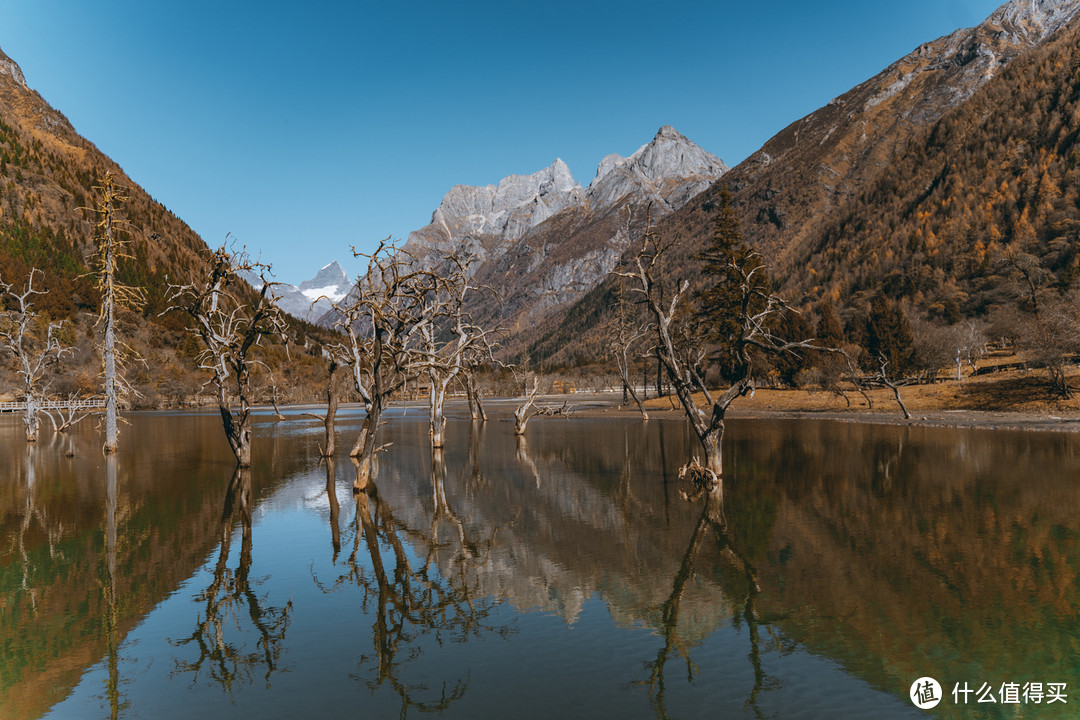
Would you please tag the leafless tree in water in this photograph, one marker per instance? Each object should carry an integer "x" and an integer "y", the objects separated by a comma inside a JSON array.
[
  {"x": 32, "y": 342},
  {"x": 231, "y": 324},
  {"x": 383, "y": 319}
]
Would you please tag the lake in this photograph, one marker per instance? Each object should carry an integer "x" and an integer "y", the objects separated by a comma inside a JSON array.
[{"x": 560, "y": 576}]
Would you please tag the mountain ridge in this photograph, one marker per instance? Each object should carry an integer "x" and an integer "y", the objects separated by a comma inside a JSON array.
[
  {"x": 791, "y": 196},
  {"x": 546, "y": 260}
]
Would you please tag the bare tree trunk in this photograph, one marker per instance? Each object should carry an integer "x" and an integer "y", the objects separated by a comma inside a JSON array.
[
  {"x": 438, "y": 427},
  {"x": 107, "y": 283},
  {"x": 437, "y": 414},
  {"x": 332, "y": 401},
  {"x": 899, "y": 400},
  {"x": 640, "y": 404},
  {"x": 109, "y": 350},
  {"x": 364, "y": 449},
  {"x": 714, "y": 452},
  {"x": 884, "y": 377},
  {"x": 521, "y": 414},
  {"x": 238, "y": 433},
  {"x": 110, "y": 247},
  {"x": 476, "y": 408},
  {"x": 31, "y": 422},
  {"x": 361, "y": 438}
]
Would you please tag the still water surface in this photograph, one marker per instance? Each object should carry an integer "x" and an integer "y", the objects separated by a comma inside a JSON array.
[{"x": 562, "y": 576}]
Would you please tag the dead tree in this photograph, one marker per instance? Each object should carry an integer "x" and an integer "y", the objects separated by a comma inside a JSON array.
[
  {"x": 333, "y": 399},
  {"x": 682, "y": 352},
  {"x": 472, "y": 389},
  {"x": 456, "y": 357},
  {"x": 626, "y": 334},
  {"x": 32, "y": 342},
  {"x": 383, "y": 320},
  {"x": 69, "y": 416},
  {"x": 883, "y": 377},
  {"x": 521, "y": 413},
  {"x": 114, "y": 295},
  {"x": 627, "y": 331},
  {"x": 230, "y": 324}
]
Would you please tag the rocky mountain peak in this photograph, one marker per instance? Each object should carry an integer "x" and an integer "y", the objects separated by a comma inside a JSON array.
[
  {"x": 670, "y": 168},
  {"x": 329, "y": 278},
  {"x": 504, "y": 212}
]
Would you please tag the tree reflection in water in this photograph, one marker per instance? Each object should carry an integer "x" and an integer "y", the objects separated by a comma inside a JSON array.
[
  {"x": 335, "y": 506},
  {"x": 712, "y": 518},
  {"x": 411, "y": 600},
  {"x": 230, "y": 598},
  {"x": 111, "y": 617}
]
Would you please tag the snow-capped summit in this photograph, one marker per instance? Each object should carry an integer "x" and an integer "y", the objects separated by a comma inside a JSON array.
[
  {"x": 311, "y": 300},
  {"x": 331, "y": 281}
]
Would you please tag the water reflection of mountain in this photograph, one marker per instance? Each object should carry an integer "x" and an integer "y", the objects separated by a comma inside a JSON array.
[
  {"x": 898, "y": 552},
  {"x": 582, "y": 508},
  {"x": 925, "y": 550},
  {"x": 65, "y": 549}
]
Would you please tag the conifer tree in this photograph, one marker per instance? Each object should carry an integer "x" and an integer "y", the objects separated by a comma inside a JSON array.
[
  {"x": 727, "y": 264},
  {"x": 888, "y": 337}
]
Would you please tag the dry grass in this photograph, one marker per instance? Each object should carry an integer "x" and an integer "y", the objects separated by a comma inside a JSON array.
[{"x": 1018, "y": 391}]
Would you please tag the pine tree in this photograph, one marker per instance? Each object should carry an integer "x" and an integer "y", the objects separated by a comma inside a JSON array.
[
  {"x": 830, "y": 331},
  {"x": 889, "y": 337},
  {"x": 727, "y": 262}
]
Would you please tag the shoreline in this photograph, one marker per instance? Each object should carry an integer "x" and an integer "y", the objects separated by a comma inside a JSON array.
[
  {"x": 795, "y": 405},
  {"x": 976, "y": 419},
  {"x": 1064, "y": 420}
]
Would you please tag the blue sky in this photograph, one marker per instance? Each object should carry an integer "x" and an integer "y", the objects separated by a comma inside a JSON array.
[{"x": 306, "y": 128}]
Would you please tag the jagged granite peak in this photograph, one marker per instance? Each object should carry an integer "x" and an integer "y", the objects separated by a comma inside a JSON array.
[
  {"x": 488, "y": 218},
  {"x": 609, "y": 163},
  {"x": 509, "y": 209},
  {"x": 670, "y": 168},
  {"x": 542, "y": 240}
]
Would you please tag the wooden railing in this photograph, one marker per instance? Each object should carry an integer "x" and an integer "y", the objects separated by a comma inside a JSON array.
[{"x": 87, "y": 404}]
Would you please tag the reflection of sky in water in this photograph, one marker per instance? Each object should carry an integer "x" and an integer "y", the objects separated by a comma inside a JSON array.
[
  {"x": 544, "y": 668},
  {"x": 880, "y": 553}
]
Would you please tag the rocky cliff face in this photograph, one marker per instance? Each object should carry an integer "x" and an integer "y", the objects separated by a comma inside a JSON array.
[
  {"x": 499, "y": 214},
  {"x": 542, "y": 241},
  {"x": 669, "y": 171}
]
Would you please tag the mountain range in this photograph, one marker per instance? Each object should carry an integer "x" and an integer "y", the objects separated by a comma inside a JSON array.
[
  {"x": 543, "y": 241},
  {"x": 548, "y": 245},
  {"x": 841, "y": 202},
  {"x": 913, "y": 185}
]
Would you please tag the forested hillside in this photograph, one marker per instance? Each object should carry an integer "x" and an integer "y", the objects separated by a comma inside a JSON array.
[
  {"x": 48, "y": 176},
  {"x": 991, "y": 193},
  {"x": 941, "y": 216}
]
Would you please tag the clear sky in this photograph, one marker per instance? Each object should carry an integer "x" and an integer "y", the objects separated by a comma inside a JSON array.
[{"x": 304, "y": 128}]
